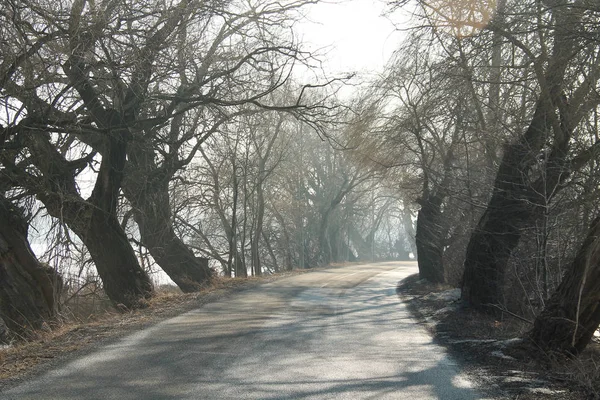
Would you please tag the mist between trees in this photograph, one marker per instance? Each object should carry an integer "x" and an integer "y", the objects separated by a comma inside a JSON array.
[
  {"x": 189, "y": 138},
  {"x": 216, "y": 146}
]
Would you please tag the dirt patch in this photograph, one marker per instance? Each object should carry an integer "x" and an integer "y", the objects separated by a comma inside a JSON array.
[
  {"x": 75, "y": 338},
  {"x": 494, "y": 353}
]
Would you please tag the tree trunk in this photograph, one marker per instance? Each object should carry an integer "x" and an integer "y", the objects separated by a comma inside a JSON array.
[
  {"x": 429, "y": 239},
  {"x": 287, "y": 243},
  {"x": 362, "y": 247},
  {"x": 188, "y": 272},
  {"x": 124, "y": 281},
  {"x": 147, "y": 188},
  {"x": 572, "y": 314},
  {"x": 239, "y": 266},
  {"x": 409, "y": 229},
  {"x": 255, "y": 246},
  {"x": 508, "y": 212},
  {"x": 28, "y": 290},
  {"x": 511, "y": 207},
  {"x": 271, "y": 252},
  {"x": 324, "y": 245},
  {"x": 94, "y": 220},
  {"x": 333, "y": 240}
]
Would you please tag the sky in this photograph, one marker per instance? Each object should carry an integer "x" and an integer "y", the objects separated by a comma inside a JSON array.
[{"x": 354, "y": 35}]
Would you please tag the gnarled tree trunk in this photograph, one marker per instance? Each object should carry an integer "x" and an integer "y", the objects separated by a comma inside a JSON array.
[
  {"x": 123, "y": 279},
  {"x": 572, "y": 314},
  {"x": 147, "y": 188},
  {"x": 28, "y": 290},
  {"x": 94, "y": 220},
  {"x": 512, "y": 206}
]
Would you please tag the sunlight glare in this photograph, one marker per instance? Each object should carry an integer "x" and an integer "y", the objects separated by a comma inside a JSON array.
[{"x": 461, "y": 18}]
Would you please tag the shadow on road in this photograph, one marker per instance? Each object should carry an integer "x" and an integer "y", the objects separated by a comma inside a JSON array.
[{"x": 300, "y": 341}]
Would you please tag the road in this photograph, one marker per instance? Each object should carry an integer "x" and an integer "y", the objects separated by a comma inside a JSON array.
[{"x": 339, "y": 333}]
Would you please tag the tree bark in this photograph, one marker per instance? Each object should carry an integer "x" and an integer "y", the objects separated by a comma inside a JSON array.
[
  {"x": 190, "y": 273},
  {"x": 572, "y": 314},
  {"x": 429, "y": 239},
  {"x": 515, "y": 204},
  {"x": 508, "y": 212},
  {"x": 28, "y": 290},
  {"x": 147, "y": 188},
  {"x": 512, "y": 205},
  {"x": 94, "y": 220},
  {"x": 124, "y": 281}
]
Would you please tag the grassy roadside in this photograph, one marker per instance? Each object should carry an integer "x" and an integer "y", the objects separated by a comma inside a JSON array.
[
  {"x": 76, "y": 337},
  {"x": 493, "y": 352}
]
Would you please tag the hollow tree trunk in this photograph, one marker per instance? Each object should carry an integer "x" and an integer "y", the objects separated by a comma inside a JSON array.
[
  {"x": 429, "y": 240},
  {"x": 28, "y": 290},
  {"x": 572, "y": 314}
]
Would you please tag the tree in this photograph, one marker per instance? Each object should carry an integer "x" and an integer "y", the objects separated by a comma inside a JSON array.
[
  {"x": 572, "y": 314},
  {"x": 29, "y": 291},
  {"x": 226, "y": 82},
  {"x": 95, "y": 85},
  {"x": 541, "y": 159},
  {"x": 419, "y": 119}
]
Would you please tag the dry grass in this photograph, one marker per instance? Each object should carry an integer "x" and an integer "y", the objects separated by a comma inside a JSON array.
[{"x": 492, "y": 351}]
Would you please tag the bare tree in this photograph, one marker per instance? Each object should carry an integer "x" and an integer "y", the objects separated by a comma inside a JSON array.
[
  {"x": 93, "y": 89},
  {"x": 572, "y": 314},
  {"x": 542, "y": 157}
]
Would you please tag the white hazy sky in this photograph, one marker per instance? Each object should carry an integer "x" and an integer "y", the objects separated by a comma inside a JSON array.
[{"x": 353, "y": 33}]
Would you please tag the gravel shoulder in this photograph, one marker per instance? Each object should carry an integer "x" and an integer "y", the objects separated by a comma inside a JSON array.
[{"x": 493, "y": 352}]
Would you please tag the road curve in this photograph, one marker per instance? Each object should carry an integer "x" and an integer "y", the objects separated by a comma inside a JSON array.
[{"x": 339, "y": 333}]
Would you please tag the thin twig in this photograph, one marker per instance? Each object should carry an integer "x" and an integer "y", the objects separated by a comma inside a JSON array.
[{"x": 509, "y": 312}]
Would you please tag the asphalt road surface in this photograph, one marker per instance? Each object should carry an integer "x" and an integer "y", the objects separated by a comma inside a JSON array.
[{"x": 339, "y": 333}]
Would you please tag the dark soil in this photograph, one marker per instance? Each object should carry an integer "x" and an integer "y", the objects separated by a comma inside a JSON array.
[{"x": 494, "y": 352}]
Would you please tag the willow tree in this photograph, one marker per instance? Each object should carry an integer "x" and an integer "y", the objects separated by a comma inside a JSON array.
[
  {"x": 419, "y": 121},
  {"x": 126, "y": 93},
  {"x": 48, "y": 84},
  {"x": 563, "y": 58}
]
